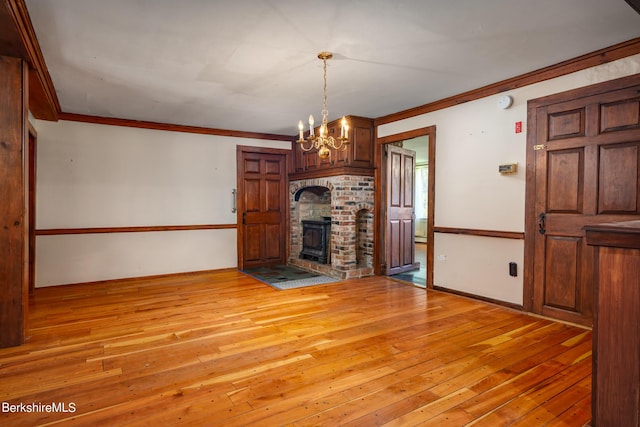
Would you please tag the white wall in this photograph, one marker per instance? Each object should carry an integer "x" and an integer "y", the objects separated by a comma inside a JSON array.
[
  {"x": 472, "y": 139},
  {"x": 91, "y": 175}
]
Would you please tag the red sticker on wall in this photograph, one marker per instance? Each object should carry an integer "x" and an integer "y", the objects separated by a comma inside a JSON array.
[{"x": 518, "y": 127}]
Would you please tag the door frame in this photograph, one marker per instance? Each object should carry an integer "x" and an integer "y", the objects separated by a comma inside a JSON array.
[
  {"x": 240, "y": 149},
  {"x": 531, "y": 219},
  {"x": 32, "y": 153},
  {"x": 381, "y": 191}
]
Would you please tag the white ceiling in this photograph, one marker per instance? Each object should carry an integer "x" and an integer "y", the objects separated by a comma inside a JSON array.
[{"x": 251, "y": 65}]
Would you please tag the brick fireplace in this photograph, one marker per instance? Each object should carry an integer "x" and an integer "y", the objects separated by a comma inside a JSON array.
[{"x": 348, "y": 201}]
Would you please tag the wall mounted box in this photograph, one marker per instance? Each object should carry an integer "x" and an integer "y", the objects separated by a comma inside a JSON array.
[
  {"x": 508, "y": 169},
  {"x": 513, "y": 269}
]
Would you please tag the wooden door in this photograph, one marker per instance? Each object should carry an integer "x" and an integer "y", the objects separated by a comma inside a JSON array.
[
  {"x": 262, "y": 207},
  {"x": 400, "y": 210},
  {"x": 584, "y": 155}
]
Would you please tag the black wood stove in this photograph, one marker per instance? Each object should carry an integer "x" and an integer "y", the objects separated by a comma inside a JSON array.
[{"x": 315, "y": 239}]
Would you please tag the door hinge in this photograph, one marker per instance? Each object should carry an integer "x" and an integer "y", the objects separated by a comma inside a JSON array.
[{"x": 539, "y": 147}]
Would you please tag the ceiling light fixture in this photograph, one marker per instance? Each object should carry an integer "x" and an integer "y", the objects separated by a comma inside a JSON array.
[{"x": 323, "y": 141}]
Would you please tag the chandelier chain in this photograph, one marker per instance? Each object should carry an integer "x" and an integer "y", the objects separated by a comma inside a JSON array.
[
  {"x": 323, "y": 142},
  {"x": 325, "y": 113}
]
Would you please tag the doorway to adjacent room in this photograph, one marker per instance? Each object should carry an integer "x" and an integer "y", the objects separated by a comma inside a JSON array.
[{"x": 416, "y": 241}]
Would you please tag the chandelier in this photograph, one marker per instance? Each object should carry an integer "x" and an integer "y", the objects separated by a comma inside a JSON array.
[{"x": 323, "y": 141}]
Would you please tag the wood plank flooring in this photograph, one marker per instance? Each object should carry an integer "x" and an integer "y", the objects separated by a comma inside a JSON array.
[{"x": 223, "y": 349}]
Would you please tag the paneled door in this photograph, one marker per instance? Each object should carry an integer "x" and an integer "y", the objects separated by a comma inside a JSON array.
[
  {"x": 400, "y": 210},
  {"x": 584, "y": 157},
  {"x": 262, "y": 206}
]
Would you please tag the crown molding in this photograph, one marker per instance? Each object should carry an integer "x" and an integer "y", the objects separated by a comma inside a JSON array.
[
  {"x": 599, "y": 57},
  {"x": 18, "y": 39},
  {"x": 635, "y": 4},
  {"x": 113, "y": 121},
  {"x": 10, "y": 41}
]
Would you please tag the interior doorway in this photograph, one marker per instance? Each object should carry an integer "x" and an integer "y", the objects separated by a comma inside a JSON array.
[
  {"x": 422, "y": 142},
  {"x": 262, "y": 206},
  {"x": 399, "y": 208},
  {"x": 419, "y": 145},
  {"x": 583, "y": 164}
]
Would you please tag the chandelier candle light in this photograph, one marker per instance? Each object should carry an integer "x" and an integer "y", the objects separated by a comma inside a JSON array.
[{"x": 323, "y": 142}]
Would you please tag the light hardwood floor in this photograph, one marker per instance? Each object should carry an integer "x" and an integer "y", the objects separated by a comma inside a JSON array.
[{"x": 223, "y": 349}]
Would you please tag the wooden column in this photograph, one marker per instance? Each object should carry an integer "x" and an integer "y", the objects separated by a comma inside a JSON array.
[
  {"x": 616, "y": 326},
  {"x": 14, "y": 286}
]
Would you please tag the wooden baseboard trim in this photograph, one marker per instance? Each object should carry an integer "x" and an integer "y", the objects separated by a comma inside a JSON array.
[
  {"x": 143, "y": 278},
  {"x": 103, "y": 230},
  {"x": 510, "y": 305},
  {"x": 484, "y": 233}
]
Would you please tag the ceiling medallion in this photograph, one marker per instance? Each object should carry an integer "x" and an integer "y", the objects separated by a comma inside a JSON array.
[{"x": 323, "y": 142}]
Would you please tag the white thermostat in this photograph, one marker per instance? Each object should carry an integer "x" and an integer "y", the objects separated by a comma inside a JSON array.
[{"x": 508, "y": 168}]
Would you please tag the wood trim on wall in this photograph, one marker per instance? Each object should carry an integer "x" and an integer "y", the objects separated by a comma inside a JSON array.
[
  {"x": 124, "y": 280},
  {"x": 402, "y": 136},
  {"x": 43, "y": 101},
  {"x": 483, "y": 233},
  {"x": 476, "y": 297},
  {"x": 599, "y": 57},
  {"x": 112, "y": 121},
  {"x": 581, "y": 92},
  {"x": 18, "y": 39},
  {"x": 14, "y": 214},
  {"x": 32, "y": 155},
  {"x": 103, "y": 230},
  {"x": 635, "y": 4},
  {"x": 21, "y": 41}
]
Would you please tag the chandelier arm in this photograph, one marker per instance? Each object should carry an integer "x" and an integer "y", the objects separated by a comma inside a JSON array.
[
  {"x": 302, "y": 143},
  {"x": 337, "y": 144}
]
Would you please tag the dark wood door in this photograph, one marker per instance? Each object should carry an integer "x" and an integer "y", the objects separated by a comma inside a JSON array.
[
  {"x": 400, "y": 216},
  {"x": 262, "y": 207},
  {"x": 585, "y": 157}
]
